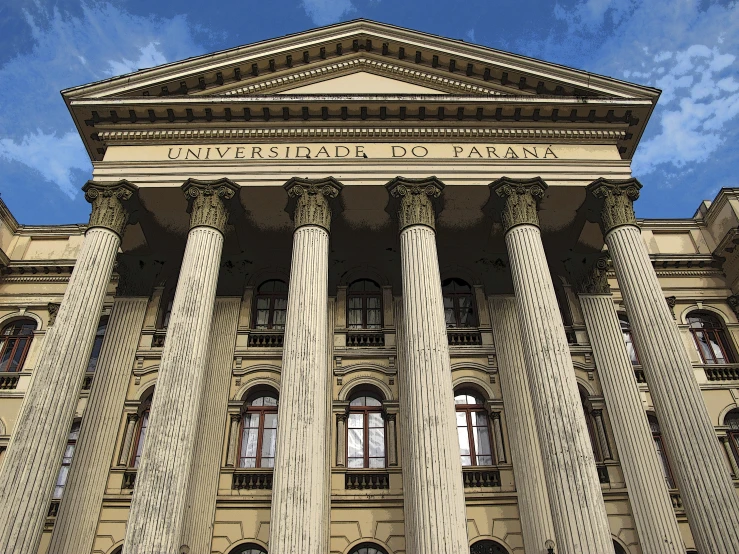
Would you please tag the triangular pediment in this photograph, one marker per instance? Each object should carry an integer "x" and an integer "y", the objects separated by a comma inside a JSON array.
[{"x": 362, "y": 82}]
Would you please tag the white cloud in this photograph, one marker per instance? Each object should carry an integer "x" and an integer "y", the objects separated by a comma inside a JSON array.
[
  {"x": 54, "y": 157},
  {"x": 325, "y": 12},
  {"x": 35, "y": 127},
  {"x": 470, "y": 35}
]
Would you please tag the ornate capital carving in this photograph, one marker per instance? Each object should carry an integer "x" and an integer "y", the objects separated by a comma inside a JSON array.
[
  {"x": 416, "y": 198},
  {"x": 107, "y": 201},
  {"x": 207, "y": 202},
  {"x": 521, "y": 200},
  {"x": 310, "y": 200},
  {"x": 618, "y": 198},
  {"x": 53, "y": 309},
  {"x": 594, "y": 278}
]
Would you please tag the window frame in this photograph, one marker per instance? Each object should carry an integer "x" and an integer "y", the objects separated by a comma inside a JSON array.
[
  {"x": 97, "y": 345},
  {"x": 732, "y": 433},
  {"x": 271, "y": 296},
  {"x": 142, "y": 425},
  {"x": 376, "y": 547},
  {"x": 72, "y": 440},
  {"x": 659, "y": 445},
  {"x": 364, "y": 296},
  {"x": 13, "y": 341},
  {"x": 454, "y": 297},
  {"x": 468, "y": 409},
  {"x": 262, "y": 411},
  {"x": 716, "y": 331},
  {"x": 365, "y": 411},
  {"x": 628, "y": 336}
]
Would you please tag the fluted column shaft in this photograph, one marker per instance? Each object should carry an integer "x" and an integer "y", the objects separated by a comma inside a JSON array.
[
  {"x": 37, "y": 444},
  {"x": 576, "y": 501},
  {"x": 155, "y": 523},
  {"x": 198, "y": 528},
  {"x": 299, "y": 520},
  {"x": 74, "y": 530},
  {"x": 433, "y": 490},
  {"x": 709, "y": 497},
  {"x": 650, "y": 501},
  {"x": 528, "y": 467}
]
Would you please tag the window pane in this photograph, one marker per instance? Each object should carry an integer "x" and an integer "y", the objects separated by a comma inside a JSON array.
[
  {"x": 270, "y": 421},
  {"x": 6, "y": 355},
  {"x": 355, "y": 303},
  {"x": 374, "y": 319},
  {"x": 356, "y": 462},
  {"x": 479, "y": 419},
  {"x": 465, "y": 311},
  {"x": 262, "y": 319},
  {"x": 358, "y": 401},
  {"x": 484, "y": 461},
  {"x": 61, "y": 480},
  {"x": 451, "y": 321},
  {"x": 375, "y": 420},
  {"x": 377, "y": 443},
  {"x": 251, "y": 420},
  {"x": 462, "y": 419},
  {"x": 464, "y": 444},
  {"x": 268, "y": 443},
  {"x": 354, "y": 319},
  {"x": 718, "y": 355},
  {"x": 249, "y": 443},
  {"x": 371, "y": 401},
  {"x": 355, "y": 443},
  {"x": 377, "y": 462},
  {"x": 278, "y": 319},
  {"x": 268, "y": 462},
  {"x": 356, "y": 421},
  {"x": 482, "y": 441},
  {"x": 466, "y": 461}
]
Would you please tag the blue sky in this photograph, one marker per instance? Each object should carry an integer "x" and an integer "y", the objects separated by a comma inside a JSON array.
[{"x": 688, "y": 48}]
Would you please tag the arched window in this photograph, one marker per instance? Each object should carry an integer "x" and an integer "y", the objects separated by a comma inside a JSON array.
[
  {"x": 368, "y": 548},
  {"x": 732, "y": 422},
  {"x": 473, "y": 430},
  {"x": 364, "y": 305},
  {"x": 458, "y": 303},
  {"x": 61, "y": 479},
  {"x": 365, "y": 444},
  {"x": 249, "y": 548},
  {"x": 628, "y": 338},
  {"x": 600, "y": 451},
  {"x": 118, "y": 550},
  {"x": 98, "y": 344},
  {"x": 271, "y": 305},
  {"x": 141, "y": 432},
  {"x": 618, "y": 549},
  {"x": 487, "y": 547},
  {"x": 661, "y": 452},
  {"x": 710, "y": 338},
  {"x": 259, "y": 432},
  {"x": 15, "y": 341}
]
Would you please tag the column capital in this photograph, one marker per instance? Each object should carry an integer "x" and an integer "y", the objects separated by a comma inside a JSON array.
[
  {"x": 207, "y": 202},
  {"x": 107, "y": 201},
  {"x": 521, "y": 200},
  {"x": 618, "y": 197},
  {"x": 309, "y": 201},
  {"x": 53, "y": 309},
  {"x": 416, "y": 200},
  {"x": 592, "y": 276}
]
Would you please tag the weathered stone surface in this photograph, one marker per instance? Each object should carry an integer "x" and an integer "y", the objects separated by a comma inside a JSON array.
[
  {"x": 618, "y": 198},
  {"x": 521, "y": 200},
  {"x": 311, "y": 205},
  {"x": 108, "y": 199},
  {"x": 416, "y": 200},
  {"x": 206, "y": 200}
]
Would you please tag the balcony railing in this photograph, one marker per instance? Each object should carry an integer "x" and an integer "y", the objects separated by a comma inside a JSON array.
[
  {"x": 481, "y": 477},
  {"x": 366, "y": 480},
  {"x": 266, "y": 339},
  {"x": 252, "y": 480},
  {"x": 365, "y": 338},
  {"x": 722, "y": 372},
  {"x": 8, "y": 381},
  {"x": 464, "y": 337}
]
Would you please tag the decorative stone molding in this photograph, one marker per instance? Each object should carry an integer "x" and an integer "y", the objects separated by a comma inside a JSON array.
[
  {"x": 595, "y": 278},
  {"x": 107, "y": 201},
  {"x": 618, "y": 197},
  {"x": 416, "y": 197},
  {"x": 311, "y": 198},
  {"x": 207, "y": 202},
  {"x": 733, "y": 301},
  {"x": 522, "y": 198},
  {"x": 671, "y": 301},
  {"x": 53, "y": 309}
]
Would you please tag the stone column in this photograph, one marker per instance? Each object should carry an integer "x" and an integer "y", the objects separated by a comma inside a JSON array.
[
  {"x": 155, "y": 523},
  {"x": 709, "y": 497},
  {"x": 299, "y": 501},
  {"x": 528, "y": 466},
  {"x": 35, "y": 451},
  {"x": 433, "y": 492},
  {"x": 233, "y": 441},
  {"x": 74, "y": 530},
  {"x": 580, "y": 520},
  {"x": 201, "y": 506},
  {"x": 341, "y": 439},
  {"x": 498, "y": 434},
  {"x": 730, "y": 456},
  {"x": 392, "y": 448},
  {"x": 600, "y": 430},
  {"x": 650, "y": 501}
]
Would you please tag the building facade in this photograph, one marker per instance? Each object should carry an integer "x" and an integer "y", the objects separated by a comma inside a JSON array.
[{"x": 363, "y": 290}]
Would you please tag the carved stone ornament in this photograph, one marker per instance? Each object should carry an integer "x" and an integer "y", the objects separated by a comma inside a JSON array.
[
  {"x": 733, "y": 301},
  {"x": 671, "y": 301},
  {"x": 416, "y": 200},
  {"x": 310, "y": 200},
  {"x": 53, "y": 309},
  {"x": 207, "y": 202},
  {"x": 618, "y": 201},
  {"x": 595, "y": 278},
  {"x": 107, "y": 201},
  {"x": 522, "y": 198}
]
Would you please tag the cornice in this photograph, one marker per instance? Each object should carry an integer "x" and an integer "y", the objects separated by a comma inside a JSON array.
[
  {"x": 7, "y": 217},
  {"x": 359, "y": 64},
  {"x": 380, "y": 133},
  {"x": 52, "y": 231}
]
